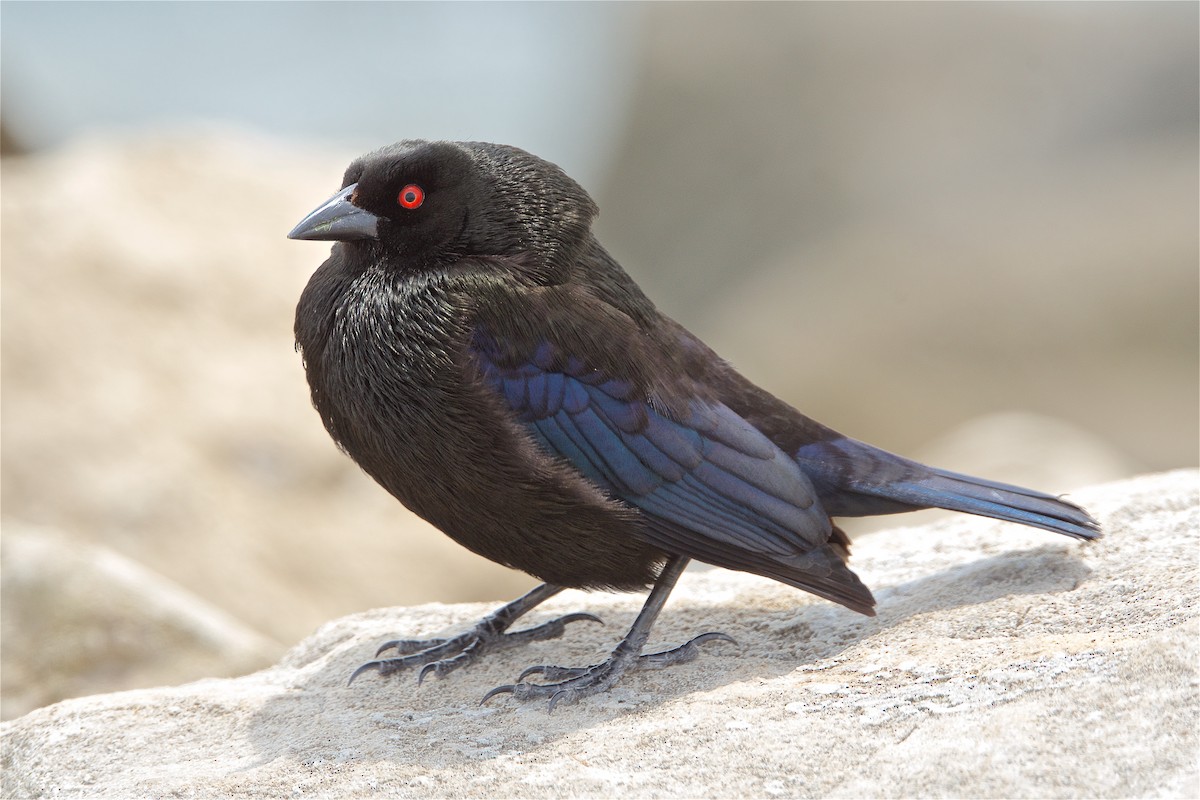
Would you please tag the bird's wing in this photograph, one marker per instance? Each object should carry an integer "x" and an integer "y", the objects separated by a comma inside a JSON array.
[{"x": 709, "y": 484}]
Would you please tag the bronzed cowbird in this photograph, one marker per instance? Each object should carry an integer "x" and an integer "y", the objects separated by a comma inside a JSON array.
[{"x": 474, "y": 348}]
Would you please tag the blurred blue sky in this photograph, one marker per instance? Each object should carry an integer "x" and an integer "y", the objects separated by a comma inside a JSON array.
[{"x": 554, "y": 77}]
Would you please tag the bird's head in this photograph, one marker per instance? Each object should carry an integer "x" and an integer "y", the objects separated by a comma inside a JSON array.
[{"x": 429, "y": 202}]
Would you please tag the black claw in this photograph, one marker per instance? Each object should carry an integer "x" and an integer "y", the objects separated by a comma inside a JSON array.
[
  {"x": 568, "y": 684},
  {"x": 432, "y": 666},
  {"x": 563, "y": 684},
  {"x": 535, "y": 670},
  {"x": 442, "y": 656},
  {"x": 396, "y": 644},
  {"x": 375, "y": 665},
  {"x": 714, "y": 635},
  {"x": 508, "y": 688},
  {"x": 559, "y": 695},
  {"x": 404, "y": 647}
]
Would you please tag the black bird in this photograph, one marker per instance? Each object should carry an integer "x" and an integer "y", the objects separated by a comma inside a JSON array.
[{"x": 473, "y": 347}]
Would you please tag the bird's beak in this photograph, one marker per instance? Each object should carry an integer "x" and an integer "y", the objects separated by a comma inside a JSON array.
[{"x": 338, "y": 220}]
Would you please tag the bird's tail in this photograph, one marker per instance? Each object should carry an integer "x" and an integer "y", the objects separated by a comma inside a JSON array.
[{"x": 854, "y": 479}]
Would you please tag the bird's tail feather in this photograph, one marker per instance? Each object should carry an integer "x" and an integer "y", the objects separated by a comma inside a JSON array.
[
  {"x": 957, "y": 492},
  {"x": 855, "y": 479}
]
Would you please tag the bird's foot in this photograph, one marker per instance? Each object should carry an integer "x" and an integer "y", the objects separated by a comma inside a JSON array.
[
  {"x": 568, "y": 684},
  {"x": 440, "y": 657}
]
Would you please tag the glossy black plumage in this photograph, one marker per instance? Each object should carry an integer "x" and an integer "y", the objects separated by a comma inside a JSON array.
[{"x": 488, "y": 363}]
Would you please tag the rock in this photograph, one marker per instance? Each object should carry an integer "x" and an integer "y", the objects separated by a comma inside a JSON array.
[
  {"x": 1003, "y": 662},
  {"x": 81, "y": 619}
]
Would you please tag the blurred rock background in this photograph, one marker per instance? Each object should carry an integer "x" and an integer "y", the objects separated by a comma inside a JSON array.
[{"x": 963, "y": 232}]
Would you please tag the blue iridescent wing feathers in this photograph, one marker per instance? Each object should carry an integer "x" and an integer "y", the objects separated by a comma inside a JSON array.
[{"x": 709, "y": 484}]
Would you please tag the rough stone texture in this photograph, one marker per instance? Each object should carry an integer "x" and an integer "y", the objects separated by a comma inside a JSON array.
[
  {"x": 81, "y": 619},
  {"x": 1004, "y": 662}
]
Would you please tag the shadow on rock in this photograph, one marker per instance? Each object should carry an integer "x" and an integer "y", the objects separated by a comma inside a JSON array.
[{"x": 441, "y": 723}]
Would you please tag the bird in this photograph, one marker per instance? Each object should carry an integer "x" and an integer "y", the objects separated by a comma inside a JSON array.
[{"x": 473, "y": 347}]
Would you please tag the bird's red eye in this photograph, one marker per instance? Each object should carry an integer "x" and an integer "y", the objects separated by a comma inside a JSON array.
[{"x": 411, "y": 196}]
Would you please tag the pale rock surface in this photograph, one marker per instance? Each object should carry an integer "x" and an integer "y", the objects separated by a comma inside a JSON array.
[
  {"x": 82, "y": 619},
  {"x": 1004, "y": 662}
]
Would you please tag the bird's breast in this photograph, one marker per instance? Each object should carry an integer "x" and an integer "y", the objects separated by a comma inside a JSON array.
[
  {"x": 386, "y": 364},
  {"x": 385, "y": 373}
]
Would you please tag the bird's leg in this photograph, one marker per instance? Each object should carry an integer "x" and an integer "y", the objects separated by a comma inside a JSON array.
[
  {"x": 571, "y": 683},
  {"x": 443, "y": 656}
]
